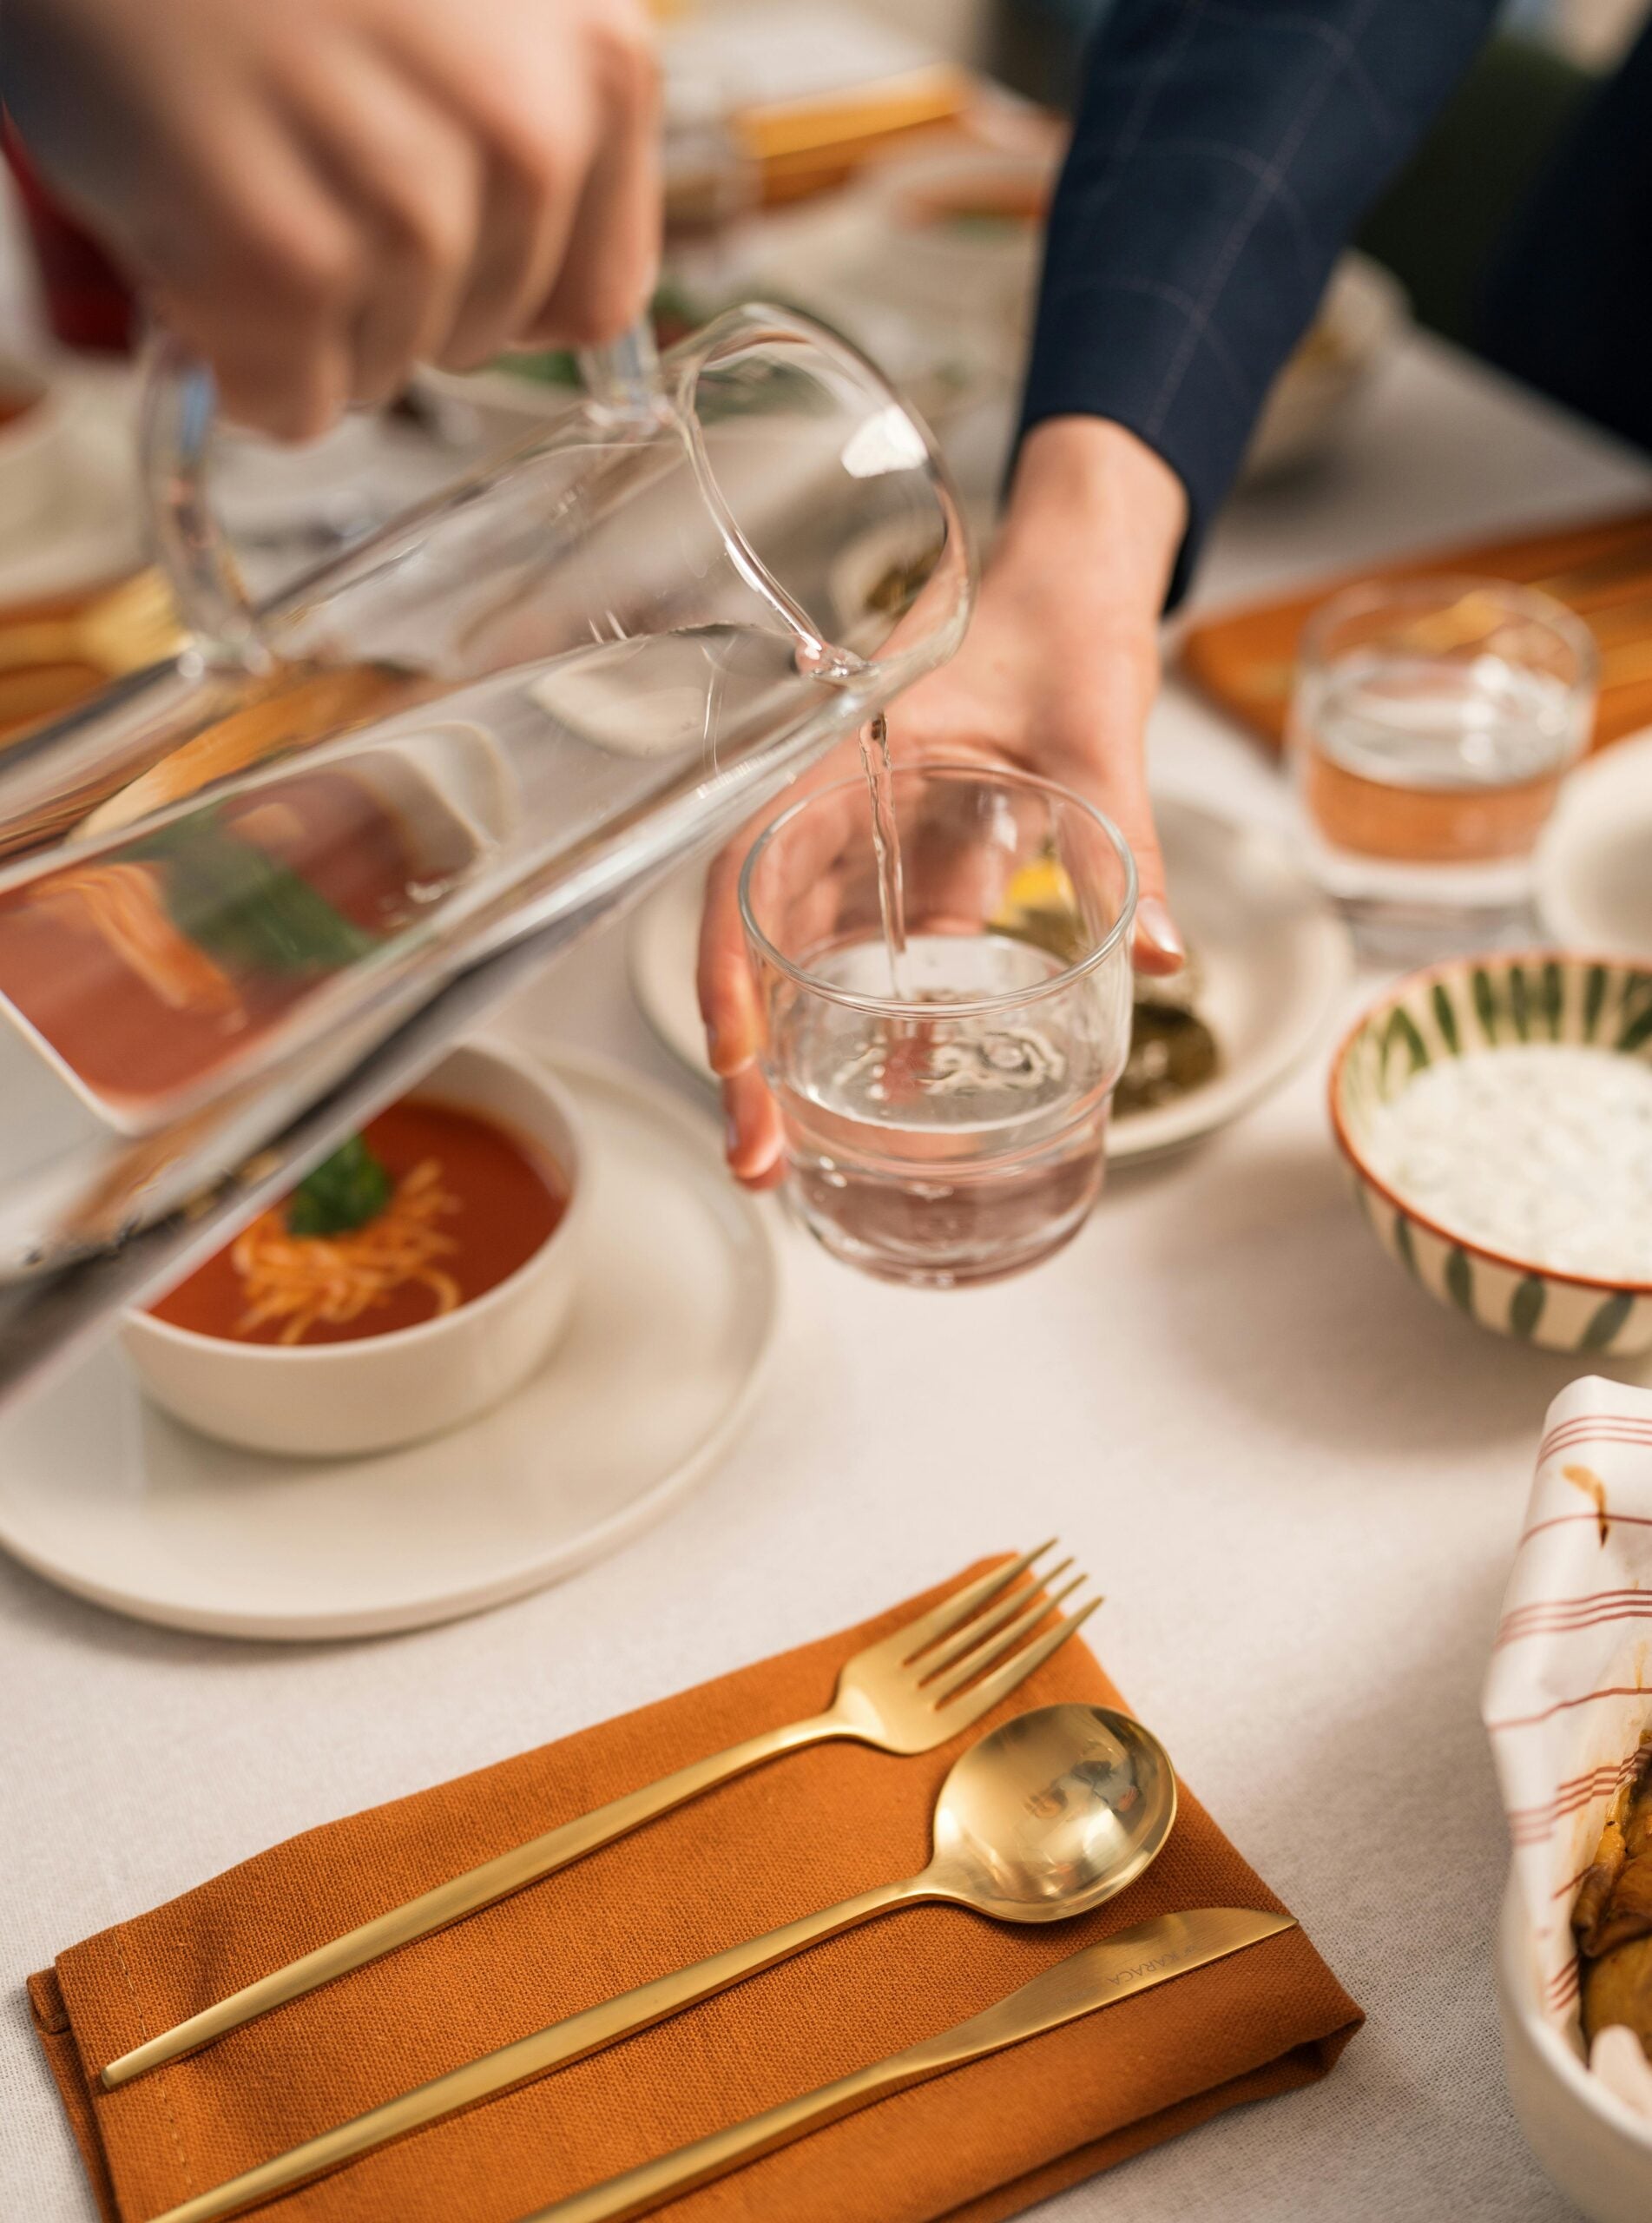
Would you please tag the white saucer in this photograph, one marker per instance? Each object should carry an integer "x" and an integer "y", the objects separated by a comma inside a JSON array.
[
  {"x": 102, "y": 1493},
  {"x": 1275, "y": 960},
  {"x": 1593, "y": 887}
]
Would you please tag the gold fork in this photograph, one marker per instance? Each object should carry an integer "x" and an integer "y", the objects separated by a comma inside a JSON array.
[
  {"x": 910, "y": 1692},
  {"x": 132, "y": 626}
]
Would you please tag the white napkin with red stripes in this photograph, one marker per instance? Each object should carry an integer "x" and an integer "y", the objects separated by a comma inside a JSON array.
[{"x": 1568, "y": 1692}]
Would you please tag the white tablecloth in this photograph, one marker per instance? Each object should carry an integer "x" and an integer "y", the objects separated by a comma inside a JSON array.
[{"x": 1297, "y": 1480}]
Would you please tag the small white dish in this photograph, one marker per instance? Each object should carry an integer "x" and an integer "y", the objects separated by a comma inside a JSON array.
[
  {"x": 1362, "y": 314},
  {"x": 376, "y": 1393},
  {"x": 113, "y": 1500},
  {"x": 91, "y": 527},
  {"x": 921, "y": 244},
  {"x": 1589, "y": 2143},
  {"x": 1275, "y": 962},
  {"x": 1594, "y": 891},
  {"x": 33, "y": 440}
]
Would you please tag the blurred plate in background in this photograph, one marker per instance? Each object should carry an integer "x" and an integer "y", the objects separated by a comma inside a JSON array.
[{"x": 1594, "y": 863}]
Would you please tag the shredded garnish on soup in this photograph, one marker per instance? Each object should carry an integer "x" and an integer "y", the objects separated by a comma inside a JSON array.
[
  {"x": 306, "y": 1279},
  {"x": 124, "y": 905},
  {"x": 430, "y": 1207}
]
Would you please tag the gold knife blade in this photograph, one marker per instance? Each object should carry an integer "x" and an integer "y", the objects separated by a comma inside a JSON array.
[{"x": 1151, "y": 1953}]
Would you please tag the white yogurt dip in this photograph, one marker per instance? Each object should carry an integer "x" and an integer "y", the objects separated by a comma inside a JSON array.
[{"x": 1541, "y": 1151}]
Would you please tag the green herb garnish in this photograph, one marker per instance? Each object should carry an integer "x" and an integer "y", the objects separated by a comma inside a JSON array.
[
  {"x": 244, "y": 907},
  {"x": 346, "y": 1191}
]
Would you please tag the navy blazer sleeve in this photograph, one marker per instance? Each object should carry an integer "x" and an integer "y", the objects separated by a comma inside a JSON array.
[{"x": 1223, "y": 152}]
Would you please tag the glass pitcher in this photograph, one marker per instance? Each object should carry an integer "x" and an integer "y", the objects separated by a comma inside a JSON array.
[{"x": 247, "y": 897}]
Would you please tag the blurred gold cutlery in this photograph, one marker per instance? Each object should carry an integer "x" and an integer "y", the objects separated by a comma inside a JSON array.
[
  {"x": 131, "y": 626},
  {"x": 1048, "y": 1816},
  {"x": 905, "y": 1694},
  {"x": 1151, "y": 1953}
]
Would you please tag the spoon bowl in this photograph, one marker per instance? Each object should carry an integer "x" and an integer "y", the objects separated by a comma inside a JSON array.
[{"x": 1052, "y": 1814}]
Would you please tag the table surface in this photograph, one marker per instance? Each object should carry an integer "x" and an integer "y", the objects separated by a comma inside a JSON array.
[{"x": 1297, "y": 1480}]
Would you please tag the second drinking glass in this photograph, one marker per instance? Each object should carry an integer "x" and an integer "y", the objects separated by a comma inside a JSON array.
[
  {"x": 944, "y": 1083},
  {"x": 1433, "y": 724}
]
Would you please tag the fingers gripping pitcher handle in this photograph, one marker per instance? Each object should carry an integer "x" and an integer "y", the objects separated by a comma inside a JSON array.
[{"x": 176, "y": 420}]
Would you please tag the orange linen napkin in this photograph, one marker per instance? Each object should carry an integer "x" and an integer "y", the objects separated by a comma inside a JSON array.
[
  {"x": 1243, "y": 660},
  {"x": 984, "y": 2142}
]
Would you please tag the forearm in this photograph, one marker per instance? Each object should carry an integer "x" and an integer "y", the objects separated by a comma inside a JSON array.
[
  {"x": 1098, "y": 514},
  {"x": 1221, "y": 157}
]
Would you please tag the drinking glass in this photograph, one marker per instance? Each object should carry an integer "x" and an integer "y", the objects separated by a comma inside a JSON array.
[
  {"x": 945, "y": 1084},
  {"x": 1432, "y": 722}
]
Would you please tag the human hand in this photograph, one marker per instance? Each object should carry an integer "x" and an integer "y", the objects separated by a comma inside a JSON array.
[
  {"x": 1055, "y": 677},
  {"x": 315, "y": 194}
]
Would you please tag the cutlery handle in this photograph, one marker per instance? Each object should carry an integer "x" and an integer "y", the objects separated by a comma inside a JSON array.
[
  {"x": 652, "y": 2183},
  {"x": 466, "y": 1893},
  {"x": 532, "y": 2056},
  {"x": 1135, "y": 1960}
]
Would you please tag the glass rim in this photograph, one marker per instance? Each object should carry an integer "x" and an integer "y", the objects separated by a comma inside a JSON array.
[
  {"x": 972, "y": 1006},
  {"x": 1533, "y": 603}
]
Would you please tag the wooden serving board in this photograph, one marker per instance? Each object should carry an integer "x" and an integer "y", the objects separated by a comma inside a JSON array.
[{"x": 1245, "y": 661}]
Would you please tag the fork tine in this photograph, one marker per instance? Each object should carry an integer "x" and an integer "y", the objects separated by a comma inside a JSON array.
[
  {"x": 985, "y": 1624},
  {"x": 981, "y": 1698},
  {"x": 987, "y": 1654},
  {"x": 952, "y": 1611}
]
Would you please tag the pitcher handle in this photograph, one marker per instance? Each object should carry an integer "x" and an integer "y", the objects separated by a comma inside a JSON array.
[
  {"x": 176, "y": 413},
  {"x": 178, "y": 401},
  {"x": 622, "y": 379}
]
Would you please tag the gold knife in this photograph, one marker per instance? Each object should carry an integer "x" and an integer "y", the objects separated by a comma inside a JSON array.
[{"x": 1151, "y": 1953}]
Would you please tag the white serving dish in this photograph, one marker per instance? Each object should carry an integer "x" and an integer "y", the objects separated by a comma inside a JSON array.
[
  {"x": 1590, "y": 2146},
  {"x": 32, "y": 447},
  {"x": 379, "y": 1392}
]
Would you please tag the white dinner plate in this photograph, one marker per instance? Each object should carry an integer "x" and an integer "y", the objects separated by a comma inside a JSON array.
[
  {"x": 1274, "y": 959},
  {"x": 101, "y": 1492},
  {"x": 1594, "y": 888}
]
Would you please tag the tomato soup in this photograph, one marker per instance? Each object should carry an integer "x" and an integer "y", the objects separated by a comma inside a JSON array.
[
  {"x": 469, "y": 1205},
  {"x": 162, "y": 957}
]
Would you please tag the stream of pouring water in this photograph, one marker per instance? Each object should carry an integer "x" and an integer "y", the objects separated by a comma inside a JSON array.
[{"x": 885, "y": 842}]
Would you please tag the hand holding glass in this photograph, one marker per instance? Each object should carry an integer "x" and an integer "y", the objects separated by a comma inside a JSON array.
[{"x": 946, "y": 1087}]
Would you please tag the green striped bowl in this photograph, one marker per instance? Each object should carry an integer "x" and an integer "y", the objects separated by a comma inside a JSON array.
[{"x": 1471, "y": 1005}]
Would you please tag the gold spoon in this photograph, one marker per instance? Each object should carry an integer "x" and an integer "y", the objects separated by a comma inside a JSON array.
[{"x": 1046, "y": 1818}]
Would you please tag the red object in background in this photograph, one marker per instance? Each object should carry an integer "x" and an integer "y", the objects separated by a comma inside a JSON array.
[{"x": 87, "y": 301}]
